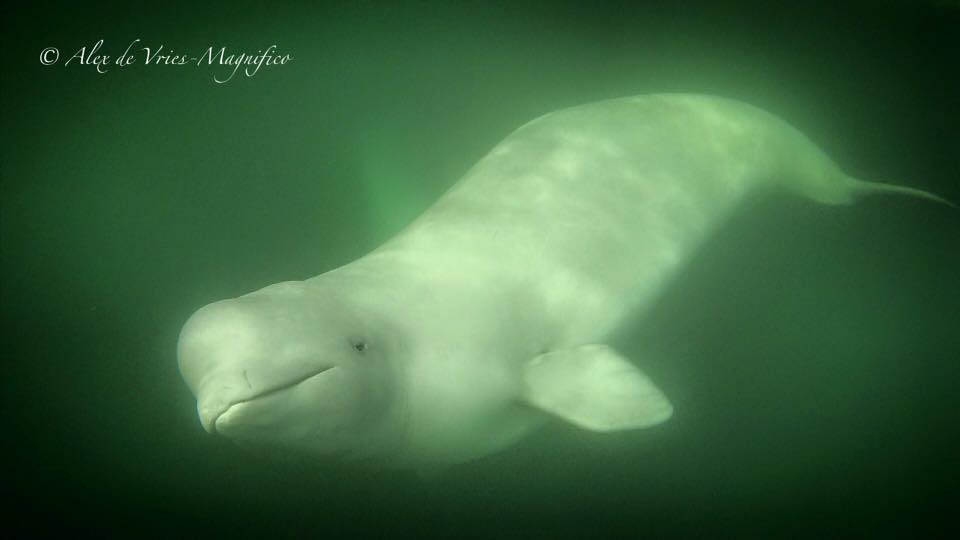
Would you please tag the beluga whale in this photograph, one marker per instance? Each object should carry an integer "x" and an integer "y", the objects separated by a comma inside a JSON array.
[{"x": 490, "y": 314}]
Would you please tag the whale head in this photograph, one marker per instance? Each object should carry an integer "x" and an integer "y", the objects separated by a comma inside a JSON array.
[{"x": 292, "y": 365}]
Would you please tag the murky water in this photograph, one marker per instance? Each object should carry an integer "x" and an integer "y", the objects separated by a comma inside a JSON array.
[{"x": 811, "y": 352}]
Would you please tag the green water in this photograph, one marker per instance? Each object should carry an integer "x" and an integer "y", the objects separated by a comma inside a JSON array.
[{"x": 811, "y": 352}]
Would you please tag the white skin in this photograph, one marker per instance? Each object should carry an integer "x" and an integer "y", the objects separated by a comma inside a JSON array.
[{"x": 478, "y": 322}]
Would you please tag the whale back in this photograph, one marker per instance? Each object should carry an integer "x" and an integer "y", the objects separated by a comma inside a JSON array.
[{"x": 602, "y": 202}]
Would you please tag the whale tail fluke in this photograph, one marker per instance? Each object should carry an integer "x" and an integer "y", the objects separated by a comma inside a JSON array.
[
  {"x": 812, "y": 174},
  {"x": 862, "y": 188}
]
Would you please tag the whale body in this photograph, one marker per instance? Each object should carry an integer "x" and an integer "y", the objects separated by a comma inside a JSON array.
[{"x": 488, "y": 315}]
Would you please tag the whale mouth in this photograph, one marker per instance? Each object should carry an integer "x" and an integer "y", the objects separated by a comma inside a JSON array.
[{"x": 269, "y": 392}]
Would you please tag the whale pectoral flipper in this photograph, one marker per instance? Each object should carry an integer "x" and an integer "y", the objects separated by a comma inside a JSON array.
[{"x": 595, "y": 388}]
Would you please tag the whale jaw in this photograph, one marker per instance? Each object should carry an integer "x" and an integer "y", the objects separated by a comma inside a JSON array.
[{"x": 215, "y": 409}]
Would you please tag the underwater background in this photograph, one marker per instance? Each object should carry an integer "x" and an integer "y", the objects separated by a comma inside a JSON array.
[{"x": 812, "y": 352}]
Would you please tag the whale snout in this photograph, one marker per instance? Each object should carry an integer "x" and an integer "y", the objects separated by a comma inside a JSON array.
[
  {"x": 227, "y": 355},
  {"x": 215, "y": 338},
  {"x": 293, "y": 366},
  {"x": 209, "y": 410},
  {"x": 218, "y": 408},
  {"x": 212, "y": 345}
]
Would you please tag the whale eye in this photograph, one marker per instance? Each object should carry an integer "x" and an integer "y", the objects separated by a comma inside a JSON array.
[{"x": 360, "y": 346}]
